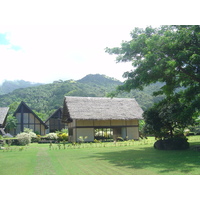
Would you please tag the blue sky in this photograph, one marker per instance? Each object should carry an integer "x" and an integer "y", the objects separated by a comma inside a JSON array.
[
  {"x": 43, "y": 41},
  {"x": 3, "y": 39}
]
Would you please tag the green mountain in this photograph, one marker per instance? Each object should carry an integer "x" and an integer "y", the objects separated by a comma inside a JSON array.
[
  {"x": 9, "y": 86},
  {"x": 45, "y": 99},
  {"x": 98, "y": 79}
]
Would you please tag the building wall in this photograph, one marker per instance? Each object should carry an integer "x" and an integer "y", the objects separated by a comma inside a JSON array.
[
  {"x": 105, "y": 123},
  {"x": 121, "y": 128},
  {"x": 132, "y": 133},
  {"x": 86, "y": 132}
]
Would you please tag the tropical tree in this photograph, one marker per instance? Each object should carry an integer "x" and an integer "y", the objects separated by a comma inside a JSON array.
[
  {"x": 11, "y": 123},
  {"x": 168, "y": 54},
  {"x": 168, "y": 118}
]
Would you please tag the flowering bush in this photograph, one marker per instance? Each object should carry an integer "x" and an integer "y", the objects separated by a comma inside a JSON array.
[
  {"x": 62, "y": 136},
  {"x": 23, "y": 138},
  {"x": 31, "y": 134},
  {"x": 26, "y": 137},
  {"x": 52, "y": 136}
]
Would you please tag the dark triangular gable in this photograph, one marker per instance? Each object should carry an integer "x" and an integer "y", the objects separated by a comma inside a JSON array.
[
  {"x": 56, "y": 114},
  {"x": 23, "y": 108},
  {"x": 55, "y": 121}
]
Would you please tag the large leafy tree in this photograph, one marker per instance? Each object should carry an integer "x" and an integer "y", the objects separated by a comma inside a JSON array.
[
  {"x": 168, "y": 118},
  {"x": 167, "y": 54}
]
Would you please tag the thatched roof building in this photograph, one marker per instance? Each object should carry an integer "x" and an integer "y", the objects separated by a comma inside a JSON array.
[
  {"x": 100, "y": 108},
  {"x": 3, "y": 116},
  {"x": 84, "y": 115}
]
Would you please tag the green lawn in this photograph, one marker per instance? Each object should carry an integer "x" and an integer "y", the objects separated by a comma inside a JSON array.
[{"x": 96, "y": 159}]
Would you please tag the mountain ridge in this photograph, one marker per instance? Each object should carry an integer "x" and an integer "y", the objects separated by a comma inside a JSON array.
[
  {"x": 46, "y": 98},
  {"x": 9, "y": 86}
]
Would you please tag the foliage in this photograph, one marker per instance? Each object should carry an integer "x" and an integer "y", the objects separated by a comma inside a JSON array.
[
  {"x": 167, "y": 118},
  {"x": 11, "y": 123},
  {"x": 33, "y": 136},
  {"x": 195, "y": 129},
  {"x": 62, "y": 136},
  {"x": 9, "y": 86},
  {"x": 52, "y": 136},
  {"x": 81, "y": 139},
  {"x": 63, "y": 130},
  {"x": 45, "y": 99},
  {"x": 175, "y": 143},
  {"x": 26, "y": 137},
  {"x": 141, "y": 126},
  {"x": 23, "y": 138},
  {"x": 168, "y": 54}
]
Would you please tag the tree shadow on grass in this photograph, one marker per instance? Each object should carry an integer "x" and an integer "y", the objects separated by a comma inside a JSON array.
[{"x": 158, "y": 161}]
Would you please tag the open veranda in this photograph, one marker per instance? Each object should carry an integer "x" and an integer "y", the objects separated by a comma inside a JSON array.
[{"x": 108, "y": 158}]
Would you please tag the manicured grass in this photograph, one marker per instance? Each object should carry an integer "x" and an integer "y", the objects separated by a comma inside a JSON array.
[{"x": 96, "y": 159}]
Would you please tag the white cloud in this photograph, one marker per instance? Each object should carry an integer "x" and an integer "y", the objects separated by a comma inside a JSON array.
[
  {"x": 61, "y": 52},
  {"x": 65, "y": 39}
]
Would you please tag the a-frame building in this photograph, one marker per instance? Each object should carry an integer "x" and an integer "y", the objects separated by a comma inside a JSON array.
[
  {"x": 26, "y": 118},
  {"x": 54, "y": 122},
  {"x": 3, "y": 117}
]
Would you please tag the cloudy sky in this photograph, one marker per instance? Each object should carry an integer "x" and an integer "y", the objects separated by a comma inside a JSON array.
[
  {"x": 48, "y": 52},
  {"x": 43, "y": 41}
]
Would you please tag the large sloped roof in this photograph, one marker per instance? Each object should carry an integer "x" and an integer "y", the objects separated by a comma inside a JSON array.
[
  {"x": 56, "y": 114},
  {"x": 26, "y": 109},
  {"x": 100, "y": 108},
  {"x": 3, "y": 114}
]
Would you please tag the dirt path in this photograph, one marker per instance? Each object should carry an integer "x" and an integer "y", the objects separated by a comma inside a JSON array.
[{"x": 44, "y": 165}]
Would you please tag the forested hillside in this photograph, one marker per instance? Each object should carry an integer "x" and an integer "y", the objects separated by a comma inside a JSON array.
[
  {"x": 45, "y": 99},
  {"x": 9, "y": 86}
]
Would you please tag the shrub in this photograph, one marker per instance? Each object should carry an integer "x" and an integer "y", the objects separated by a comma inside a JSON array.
[
  {"x": 96, "y": 141},
  {"x": 32, "y": 135},
  {"x": 23, "y": 138},
  {"x": 81, "y": 139},
  {"x": 52, "y": 136},
  {"x": 15, "y": 141},
  {"x": 62, "y": 136},
  {"x": 175, "y": 143},
  {"x": 26, "y": 137},
  {"x": 36, "y": 139}
]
